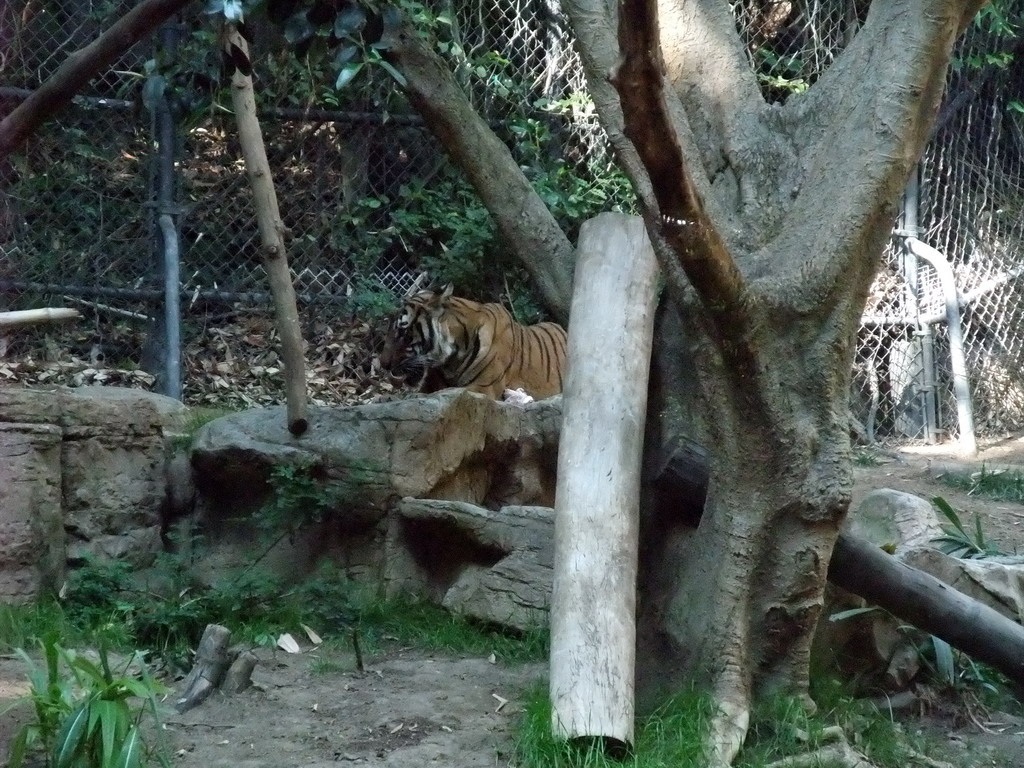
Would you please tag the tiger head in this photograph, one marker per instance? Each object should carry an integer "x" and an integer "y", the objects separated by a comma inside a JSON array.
[{"x": 409, "y": 347}]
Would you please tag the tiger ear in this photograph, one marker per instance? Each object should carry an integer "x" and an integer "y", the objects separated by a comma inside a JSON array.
[{"x": 447, "y": 291}]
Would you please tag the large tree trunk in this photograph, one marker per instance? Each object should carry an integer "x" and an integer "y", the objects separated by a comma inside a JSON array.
[
  {"x": 768, "y": 222},
  {"x": 768, "y": 250}
]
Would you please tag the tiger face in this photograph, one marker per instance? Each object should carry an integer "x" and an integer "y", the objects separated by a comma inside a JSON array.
[{"x": 409, "y": 353}]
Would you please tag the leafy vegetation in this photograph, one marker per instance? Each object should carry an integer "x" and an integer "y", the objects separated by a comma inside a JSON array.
[
  {"x": 86, "y": 716},
  {"x": 106, "y": 601},
  {"x": 957, "y": 541},
  {"x": 865, "y": 457},
  {"x": 194, "y": 421},
  {"x": 673, "y": 735}
]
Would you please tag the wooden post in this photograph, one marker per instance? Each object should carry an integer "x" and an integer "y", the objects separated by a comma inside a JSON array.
[
  {"x": 30, "y": 316},
  {"x": 593, "y": 605},
  {"x": 272, "y": 230}
]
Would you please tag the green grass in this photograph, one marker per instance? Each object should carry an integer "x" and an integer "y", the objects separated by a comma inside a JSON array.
[
  {"x": 104, "y": 604},
  {"x": 671, "y": 737},
  {"x": 194, "y": 420},
  {"x": 22, "y": 625},
  {"x": 997, "y": 485},
  {"x": 427, "y": 626},
  {"x": 781, "y": 727}
]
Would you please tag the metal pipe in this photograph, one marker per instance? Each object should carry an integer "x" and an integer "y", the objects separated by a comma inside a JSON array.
[
  {"x": 172, "y": 307},
  {"x": 957, "y": 358},
  {"x": 926, "y": 391},
  {"x": 166, "y": 208}
]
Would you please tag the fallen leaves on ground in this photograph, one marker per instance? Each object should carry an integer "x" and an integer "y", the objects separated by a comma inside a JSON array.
[{"x": 231, "y": 361}]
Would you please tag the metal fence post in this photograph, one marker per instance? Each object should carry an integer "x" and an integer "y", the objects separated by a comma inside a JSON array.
[
  {"x": 166, "y": 208},
  {"x": 923, "y": 337},
  {"x": 958, "y": 360}
]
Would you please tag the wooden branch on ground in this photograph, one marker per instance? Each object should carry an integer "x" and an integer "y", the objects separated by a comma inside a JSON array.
[
  {"x": 32, "y": 316},
  {"x": 80, "y": 67},
  {"x": 107, "y": 308},
  {"x": 908, "y": 593},
  {"x": 272, "y": 229},
  {"x": 526, "y": 222},
  {"x": 931, "y": 605}
]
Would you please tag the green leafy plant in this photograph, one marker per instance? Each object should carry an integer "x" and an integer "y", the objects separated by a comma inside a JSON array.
[
  {"x": 865, "y": 457},
  {"x": 87, "y": 716},
  {"x": 957, "y": 541}
]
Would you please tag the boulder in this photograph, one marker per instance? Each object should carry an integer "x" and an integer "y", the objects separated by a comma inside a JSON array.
[
  {"x": 81, "y": 472},
  {"x": 494, "y": 566},
  {"x": 998, "y": 582},
  {"x": 894, "y": 519},
  {"x": 875, "y": 647}
]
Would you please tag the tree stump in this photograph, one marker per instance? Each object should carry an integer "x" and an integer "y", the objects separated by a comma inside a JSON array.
[{"x": 217, "y": 666}]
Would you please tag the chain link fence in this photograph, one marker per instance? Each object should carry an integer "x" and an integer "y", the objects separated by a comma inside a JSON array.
[{"x": 78, "y": 207}]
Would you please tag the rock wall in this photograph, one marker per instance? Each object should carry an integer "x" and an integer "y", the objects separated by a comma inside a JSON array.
[
  {"x": 81, "y": 472},
  {"x": 454, "y": 497}
]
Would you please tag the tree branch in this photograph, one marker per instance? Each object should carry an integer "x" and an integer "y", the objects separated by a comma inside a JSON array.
[
  {"x": 877, "y": 103},
  {"x": 684, "y": 222},
  {"x": 537, "y": 241},
  {"x": 80, "y": 67},
  {"x": 707, "y": 64}
]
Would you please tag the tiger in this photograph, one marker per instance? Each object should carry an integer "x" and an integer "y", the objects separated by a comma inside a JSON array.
[{"x": 437, "y": 340}]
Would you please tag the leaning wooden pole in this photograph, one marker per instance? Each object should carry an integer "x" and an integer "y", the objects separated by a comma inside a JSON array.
[
  {"x": 593, "y": 605},
  {"x": 272, "y": 229}
]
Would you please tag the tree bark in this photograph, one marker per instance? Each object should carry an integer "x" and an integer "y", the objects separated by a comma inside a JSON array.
[
  {"x": 593, "y": 627},
  {"x": 535, "y": 237},
  {"x": 272, "y": 229},
  {"x": 80, "y": 67},
  {"x": 212, "y": 662}
]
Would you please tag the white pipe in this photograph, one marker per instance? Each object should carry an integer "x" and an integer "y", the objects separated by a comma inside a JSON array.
[{"x": 957, "y": 359}]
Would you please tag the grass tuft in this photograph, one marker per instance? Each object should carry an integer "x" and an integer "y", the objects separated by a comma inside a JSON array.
[
  {"x": 671, "y": 737},
  {"x": 865, "y": 457},
  {"x": 994, "y": 484}
]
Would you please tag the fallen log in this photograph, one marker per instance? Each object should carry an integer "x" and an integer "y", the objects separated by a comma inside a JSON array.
[
  {"x": 929, "y": 604},
  {"x": 866, "y": 570}
]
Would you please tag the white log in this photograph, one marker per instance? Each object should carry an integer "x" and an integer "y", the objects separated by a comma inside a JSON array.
[
  {"x": 593, "y": 605},
  {"x": 43, "y": 315}
]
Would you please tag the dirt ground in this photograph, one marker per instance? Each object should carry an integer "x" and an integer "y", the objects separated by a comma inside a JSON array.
[{"x": 411, "y": 709}]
